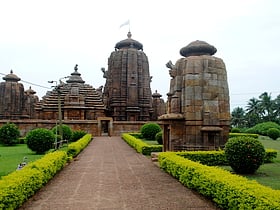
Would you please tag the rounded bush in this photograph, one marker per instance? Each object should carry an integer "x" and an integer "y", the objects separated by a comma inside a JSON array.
[
  {"x": 244, "y": 154},
  {"x": 159, "y": 137},
  {"x": 66, "y": 131},
  {"x": 9, "y": 134},
  {"x": 149, "y": 130},
  {"x": 40, "y": 140},
  {"x": 273, "y": 133},
  {"x": 76, "y": 135},
  {"x": 235, "y": 130},
  {"x": 262, "y": 128}
]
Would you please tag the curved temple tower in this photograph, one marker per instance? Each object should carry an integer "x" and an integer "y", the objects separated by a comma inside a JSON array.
[
  {"x": 198, "y": 113},
  {"x": 127, "y": 93}
]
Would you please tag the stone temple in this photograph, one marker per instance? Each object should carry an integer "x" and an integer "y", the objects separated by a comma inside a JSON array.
[
  {"x": 15, "y": 103},
  {"x": 198, "y": 113},
  {"x": 127, "y": 93},
  {"x": 79, "y": 101}
]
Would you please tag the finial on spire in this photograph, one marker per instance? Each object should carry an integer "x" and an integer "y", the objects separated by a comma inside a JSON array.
[
  {"x": 76, "y": 67},
  {"x": 129, "y": 35},
  {"x": 11, "y": 71}
]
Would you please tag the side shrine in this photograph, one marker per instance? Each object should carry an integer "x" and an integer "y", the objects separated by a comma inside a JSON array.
[{"x": 198, "y": 113}]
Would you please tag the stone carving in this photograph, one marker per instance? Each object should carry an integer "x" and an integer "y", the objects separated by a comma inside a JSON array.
[
  {"x": 127, "y": 91},
  {"x": 199, "y": 94}
]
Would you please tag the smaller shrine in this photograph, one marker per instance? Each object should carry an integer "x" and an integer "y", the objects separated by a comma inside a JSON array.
[
  {"x": 77, "y": 100},
  {"x": 15, "y": 103},
  {"x": 198, "y": 112}
]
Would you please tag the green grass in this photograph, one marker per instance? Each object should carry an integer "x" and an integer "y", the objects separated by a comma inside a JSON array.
[
  {"x": 269, "y": 173},
  {"x": 11, "y": 156}
]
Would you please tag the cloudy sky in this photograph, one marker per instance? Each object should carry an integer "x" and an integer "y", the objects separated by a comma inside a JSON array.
[{"x": 43, "y": 40}]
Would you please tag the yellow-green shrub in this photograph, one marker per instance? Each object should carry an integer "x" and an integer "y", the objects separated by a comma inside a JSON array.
[
  {"x": 139, "y": 145},
  {"x": 18, "y": 186},
  {"x": 253, "y": 135},
  {"x": 229, "y": 191},
  {"x": 76, "y": 147}
]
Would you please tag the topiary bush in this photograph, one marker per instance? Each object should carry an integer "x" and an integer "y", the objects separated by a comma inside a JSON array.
[
  {"x": 76, "y": 135},
  {"x": 66, "y": 131},
  {"x": 40, "y": 140},
  {"x": 235, "y": 130},
  {"x": 9, "y": 134},
  {"x": 149, "y": 130},
  {"x": 262, "y": 128},
  {"x": 273, "y": 133},
  {"x": 244, "y": 154},
  {"x": 158, "y": 137}
]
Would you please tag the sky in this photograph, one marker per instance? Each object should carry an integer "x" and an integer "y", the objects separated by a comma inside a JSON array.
[{"x": 43, "y": 40}]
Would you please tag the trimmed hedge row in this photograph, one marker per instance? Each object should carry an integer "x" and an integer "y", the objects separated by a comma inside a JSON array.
[
  {"x": 255, "y": 136},
  {"x": 215, "y": 158},
  {"x": 18, "y": 186},
  {"x": 229, "y": 191},
  {"x": 140, "y": 146},
  {"x": 76, "y": 147}
]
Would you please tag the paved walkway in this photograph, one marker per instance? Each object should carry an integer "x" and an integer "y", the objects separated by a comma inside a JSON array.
[{"x": 109, "y": 174}]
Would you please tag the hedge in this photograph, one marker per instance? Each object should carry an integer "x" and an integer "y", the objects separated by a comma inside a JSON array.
[
  {"x": 76, "y": 147},
  {"x": 227, "y": 190},
  {"x": 255, "y": 136},
  {"x": 18, "y": 186},
  {"x": 139, "y": 145},
  {"x": 215, "y": 158}
]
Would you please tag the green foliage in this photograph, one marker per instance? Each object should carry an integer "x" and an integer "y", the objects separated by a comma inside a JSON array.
[
  {"x": 262, "y": 128},
  {"x": 149, "y": 130},
  {"x": 40, "y": 140},
  {"x": 76, "y": 135},
  {"x": 210, "y": 158},
  {"x": 140, "y": 146},
  {"x": 18, "y": 186},
  {"x": 159, "y": 137},
  {"x": 270, "y": 154},
  {"x": 9, "y": 134},
  {"x": 273, "y": 133},
  {"x": 66, "y": 131},
  {"x": 76, "y": 147},
  {"x": 244, "y": 154},
  {"x": 255, "y": 136},
  {"x": 227, "y": 190},
  {"x": 235, "y": 130}
]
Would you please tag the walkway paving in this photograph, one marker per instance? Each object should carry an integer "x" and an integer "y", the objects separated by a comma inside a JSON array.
[{"x": 109, "y": 174}]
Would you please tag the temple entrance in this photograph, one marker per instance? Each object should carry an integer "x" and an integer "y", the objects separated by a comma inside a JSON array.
[{"x": 105, "y": 126}]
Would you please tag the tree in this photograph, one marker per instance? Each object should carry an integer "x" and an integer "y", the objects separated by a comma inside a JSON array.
[
  {"x": 253, "y": 112},
  {"x": 266, "y": 107},
  {"x": 238, "y": 117}
]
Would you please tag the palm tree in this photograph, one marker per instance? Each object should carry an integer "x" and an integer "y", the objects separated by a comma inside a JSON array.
[
  {"x": 253, "y": 112},
  {"x": 238, "y": 117},
  {"x": 266, "y": 107}
]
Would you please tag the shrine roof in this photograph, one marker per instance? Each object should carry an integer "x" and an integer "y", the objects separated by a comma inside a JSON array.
[
  {"x": 129, "y": 43},
  {"x": 198, "y": 47}
]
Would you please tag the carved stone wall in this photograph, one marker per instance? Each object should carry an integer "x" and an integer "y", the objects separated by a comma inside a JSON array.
[
  {"x": 127, "y": 92},
  {"x": 199, "y": 94},
  {"x": 78, "y": 101}
]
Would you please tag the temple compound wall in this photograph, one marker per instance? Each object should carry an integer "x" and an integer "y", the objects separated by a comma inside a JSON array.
[{"x": 198, "y": 115}]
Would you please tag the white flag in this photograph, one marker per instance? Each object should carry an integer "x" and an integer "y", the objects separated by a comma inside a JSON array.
[{"x": 125, "y": 23}]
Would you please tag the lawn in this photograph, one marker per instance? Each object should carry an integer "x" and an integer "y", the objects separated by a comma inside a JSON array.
[
  {"x": 269, "y": 173},
  {"x": 11, "y": 156}
]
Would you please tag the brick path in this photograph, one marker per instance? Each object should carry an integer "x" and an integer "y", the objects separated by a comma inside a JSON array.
[{"x": 109, "y": 174}]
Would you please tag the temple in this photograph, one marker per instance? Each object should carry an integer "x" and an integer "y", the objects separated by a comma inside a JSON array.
[
  {"x": 127, "y": 93},
  {"x": 198, "y": 113},
  {"x": 78, "y": 101}
]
